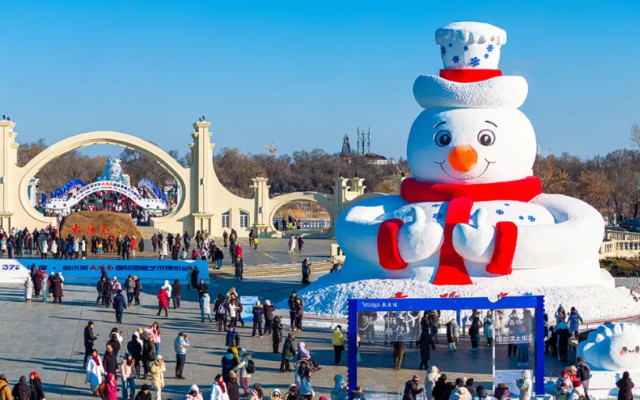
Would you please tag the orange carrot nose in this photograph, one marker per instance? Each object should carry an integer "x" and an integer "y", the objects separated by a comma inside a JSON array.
[{"x": 463, "y": 157}]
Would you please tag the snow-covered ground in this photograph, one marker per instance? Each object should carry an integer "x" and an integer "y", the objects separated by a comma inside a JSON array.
[{"x": 329, "y": 294}]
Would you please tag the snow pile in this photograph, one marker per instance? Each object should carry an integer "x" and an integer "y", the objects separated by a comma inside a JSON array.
[{"x": 328, "y": 296}]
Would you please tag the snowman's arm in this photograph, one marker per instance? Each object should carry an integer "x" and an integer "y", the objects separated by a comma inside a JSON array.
[
  {"x": 576, "y": 235},
  {"x": 358, "y": 226}
]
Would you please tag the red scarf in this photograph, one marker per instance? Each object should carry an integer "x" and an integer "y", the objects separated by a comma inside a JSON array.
[
  {"x": 96, "y": 359},
  {"x": 222, "y": 386},
  {"x": 451, "y": 269}
]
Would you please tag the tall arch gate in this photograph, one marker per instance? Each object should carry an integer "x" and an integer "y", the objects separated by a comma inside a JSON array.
[{"x": 204, "y": 204}]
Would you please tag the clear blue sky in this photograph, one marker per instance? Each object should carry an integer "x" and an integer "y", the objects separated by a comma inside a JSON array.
[{"x": 304, "y": 73}]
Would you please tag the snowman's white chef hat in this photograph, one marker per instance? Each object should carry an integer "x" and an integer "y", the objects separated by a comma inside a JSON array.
[{"x": 470, "y": 78}]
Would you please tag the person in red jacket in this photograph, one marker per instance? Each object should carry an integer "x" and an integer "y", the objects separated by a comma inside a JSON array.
[{"x": 163, "y": 302}]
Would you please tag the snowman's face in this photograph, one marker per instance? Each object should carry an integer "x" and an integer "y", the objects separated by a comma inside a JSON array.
[
  {"x": 625, "y": 350},
  {"x": 470, "y": 146}
]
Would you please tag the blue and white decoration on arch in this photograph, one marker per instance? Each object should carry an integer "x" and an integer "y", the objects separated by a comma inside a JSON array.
[{"x": 131, "y": 192}]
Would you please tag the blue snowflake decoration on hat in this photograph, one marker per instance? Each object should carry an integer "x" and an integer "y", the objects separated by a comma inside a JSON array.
[
  {"x": 466, "y": 48},
  {"x": 490, "y": 48},
  {"x": 486, "y": 55},
  {"x": 443, "y": 50},
  {"x": 475, "y": 61},
  {"x": 455, "y": 59}
]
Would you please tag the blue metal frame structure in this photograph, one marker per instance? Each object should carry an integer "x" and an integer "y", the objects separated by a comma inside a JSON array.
[{"x": 459, "y": 303}]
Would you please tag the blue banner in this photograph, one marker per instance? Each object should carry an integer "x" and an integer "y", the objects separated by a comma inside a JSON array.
[{"x": 92, "y": 269}]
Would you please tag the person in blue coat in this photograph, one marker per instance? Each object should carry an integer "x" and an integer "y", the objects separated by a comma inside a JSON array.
[
  {"x": 488, "y": 327},
  {"x": 574, "y": 322},
  {"x": 119, "y": 304}
]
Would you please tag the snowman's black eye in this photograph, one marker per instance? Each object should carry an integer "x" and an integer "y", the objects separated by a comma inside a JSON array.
[
  {"x": 486, "y": 137},
  {"x": 637, "y": 349},
  {"x": 442, "y": 138},
  {"x": 625, "y": 349}
]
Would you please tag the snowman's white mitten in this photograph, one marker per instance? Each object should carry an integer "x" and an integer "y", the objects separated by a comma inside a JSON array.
[
  {"x": 419, "y": 239},
  {"x": 475, "y": 243}
]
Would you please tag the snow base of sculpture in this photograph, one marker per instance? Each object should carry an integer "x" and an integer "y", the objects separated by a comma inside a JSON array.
[{"x": 595, "y": 296}]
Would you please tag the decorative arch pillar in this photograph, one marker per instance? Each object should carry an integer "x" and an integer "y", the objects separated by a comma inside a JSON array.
[
  {"x": 202, "y": 177},
  {"x": 261, "y": 209},
  {"x": 8, "y": 178}
]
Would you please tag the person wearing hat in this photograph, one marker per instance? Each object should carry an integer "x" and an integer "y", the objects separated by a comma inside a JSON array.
[
  {"x": 340, "y": 390},
  {"x": 525, "y": 385},
  {"x": 411, "y": 390},
  {"x": 288, "y": 352},
  {"x": 293, "y": 393},
  {"x": 144, "y": 393},
  {"x": 194, "y": 393},
  {"x": 5, "y": 391},
  {"x": 563, "y": 384},
  {"x": 338, "y": 344},
  {"x": 625, "y": 385},
  {"x": 430, "y": 380},
  {"x": 242, "y": 369},
  {"x": 228, "y": 363},
  {"x": 276, "y": 395},
  {"x": 157, "y": 376}
]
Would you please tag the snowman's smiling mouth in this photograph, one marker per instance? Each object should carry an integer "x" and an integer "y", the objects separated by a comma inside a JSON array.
[{"x": 466, "y": 179}]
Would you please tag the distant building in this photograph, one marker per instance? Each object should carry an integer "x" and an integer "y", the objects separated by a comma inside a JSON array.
[
  {"x": 377, "y": 159},
  {"x": 345, "y": 153}
]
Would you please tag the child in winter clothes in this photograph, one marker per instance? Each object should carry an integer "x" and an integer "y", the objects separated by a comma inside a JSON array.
[
  {"x": 340, "y": 390},
  {"x": 194, "y": 393},
  {"x": 563, "y": 385}
]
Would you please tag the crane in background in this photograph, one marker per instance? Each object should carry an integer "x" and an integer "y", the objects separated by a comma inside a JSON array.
[{"x": 272, "y": 149}]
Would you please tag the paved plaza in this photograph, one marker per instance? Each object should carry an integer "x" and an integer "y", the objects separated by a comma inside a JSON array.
[{"x": 48, "y": 338}]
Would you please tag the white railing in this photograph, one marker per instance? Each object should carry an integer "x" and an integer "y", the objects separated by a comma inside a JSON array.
[{"x": 619, "y": 244}]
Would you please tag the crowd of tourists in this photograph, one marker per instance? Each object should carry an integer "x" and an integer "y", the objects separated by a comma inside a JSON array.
[
  {"x": 141, "y": 359},
  {"x": 48, "y": 243}
]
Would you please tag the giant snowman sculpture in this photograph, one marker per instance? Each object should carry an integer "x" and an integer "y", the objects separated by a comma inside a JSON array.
[{"x": 472, "y": 218}]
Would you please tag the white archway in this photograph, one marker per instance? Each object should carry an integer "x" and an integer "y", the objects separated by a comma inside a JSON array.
[
  {"x": 203, "y": 199},
  {"x": 27, "y": 172}
]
